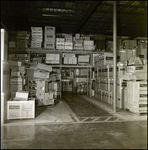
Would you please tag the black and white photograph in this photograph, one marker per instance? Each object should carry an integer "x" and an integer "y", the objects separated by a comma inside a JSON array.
[{"x": 74, "y": 74}]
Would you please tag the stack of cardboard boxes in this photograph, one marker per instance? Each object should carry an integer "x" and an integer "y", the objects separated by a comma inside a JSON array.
[
  {"x": 23, "y": 39},
  {"x": 78, "y": 42},
  {"x": 49, "y": 37},
  {"x": 37, "y": 37},
  {"x": 68, "y": 41},
  {"x": 17, "y": 77}
]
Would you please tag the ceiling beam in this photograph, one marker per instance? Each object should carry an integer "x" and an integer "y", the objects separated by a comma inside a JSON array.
[{"x": 86, "y": 16}]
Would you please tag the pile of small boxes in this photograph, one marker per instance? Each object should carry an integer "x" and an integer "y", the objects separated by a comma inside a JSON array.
[
  {"x": 36, "y": 37},
  {"x": 49, "y": 37}
]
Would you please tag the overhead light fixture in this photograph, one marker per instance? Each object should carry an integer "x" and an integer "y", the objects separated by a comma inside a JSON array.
[{"x": 48, "y": 15}]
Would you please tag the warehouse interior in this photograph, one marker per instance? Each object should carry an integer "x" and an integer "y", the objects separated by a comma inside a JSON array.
[
  {"x": 74, "y": 74},
  {"x": 57, "y": 61}
]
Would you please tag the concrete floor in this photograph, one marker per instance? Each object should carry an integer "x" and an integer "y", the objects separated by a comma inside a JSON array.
[{"x": 76, "y": 122}]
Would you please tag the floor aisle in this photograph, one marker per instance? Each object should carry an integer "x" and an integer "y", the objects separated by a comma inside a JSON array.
[{"x": 84, "y": 111}]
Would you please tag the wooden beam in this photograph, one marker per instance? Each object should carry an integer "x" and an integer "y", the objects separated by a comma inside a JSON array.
[{"x": 86, "y": 16}]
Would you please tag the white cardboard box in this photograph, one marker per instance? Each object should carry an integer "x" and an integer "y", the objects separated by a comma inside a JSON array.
[{"x": 21, "y": 109}]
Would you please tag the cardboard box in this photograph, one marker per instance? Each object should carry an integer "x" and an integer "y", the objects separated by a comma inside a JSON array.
[
  {"x": 121, "y": 55},
  {"x": 52, "y": 61},
  {"x": 54, "y": 86},
  {"x": 49, "y": 100},
  {"x": 21, "y": 109},
  {"x": 49, "y": 37},
  {"x": 60, "y": 41},
  {"x": 21, "y": 96},
  {"x": 77, "y": 36},
  {"x": 41, "y": 75},
  {"x": 52, "y": 56},
  {"x": 36, "y": 29},
  {"x": 49, "y": 30},
  {"x": 68, "y": 45},
  {"x": 137, "y": 68},
  {"x": 44, "y": 67},
  {"x": 16, "y": 63},
  {"x": 49, "y": 45},
  {"x": 88, "y": 43},
  {"x": 60, "y": 46}
]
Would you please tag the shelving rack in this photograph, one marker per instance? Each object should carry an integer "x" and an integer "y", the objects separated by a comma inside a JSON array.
[{"x": 61, "y": 66}]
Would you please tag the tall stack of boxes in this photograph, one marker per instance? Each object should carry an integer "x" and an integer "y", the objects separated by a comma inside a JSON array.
[
  {"x": 104, "y": 82},
  {"x": 36, "y": 37},
  {"x": 17, "y": 77},
  {"x": 49, "y": 37}
]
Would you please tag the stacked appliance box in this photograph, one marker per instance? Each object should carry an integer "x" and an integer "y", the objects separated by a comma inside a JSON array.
[
  {"x": 78, "y": 42},
  {"x": 23, "y": 39},
  {"x": 49, "y": 37},
  {"x": 17, "y": 77},
  {"x": 36, "y": 37}
]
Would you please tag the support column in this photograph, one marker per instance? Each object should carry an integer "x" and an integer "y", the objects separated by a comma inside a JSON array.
[{"x": 114, "y": 53}]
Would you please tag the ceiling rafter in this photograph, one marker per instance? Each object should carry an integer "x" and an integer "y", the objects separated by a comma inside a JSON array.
[{"x": 86, "y": 16}]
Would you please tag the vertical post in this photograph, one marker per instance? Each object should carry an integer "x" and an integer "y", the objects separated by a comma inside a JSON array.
[
  {"x": 114, "y": 52},
  {"x": 60, "y": 75},
  {"x": 90, "y": 76}
]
